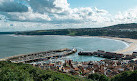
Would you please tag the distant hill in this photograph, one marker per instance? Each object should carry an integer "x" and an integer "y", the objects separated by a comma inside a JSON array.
[
  {"x": 120, "y": 30},
  {"x": 124, "y": 26},
  {"x": 7, "y": 33}
]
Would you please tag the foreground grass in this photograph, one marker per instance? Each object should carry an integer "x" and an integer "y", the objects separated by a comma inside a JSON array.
[{"x": 24, "y": 72}]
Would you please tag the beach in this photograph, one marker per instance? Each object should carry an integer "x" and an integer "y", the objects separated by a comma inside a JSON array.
[{"x": 132, "y": 44}]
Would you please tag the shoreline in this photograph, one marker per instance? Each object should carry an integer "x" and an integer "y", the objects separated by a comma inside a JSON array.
[
  {"x": 132, "y": 43},
  {"x": 128, "y": 50}
]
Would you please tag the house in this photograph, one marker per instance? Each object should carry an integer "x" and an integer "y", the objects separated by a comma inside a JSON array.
[
  {"x": 134, "y": 54},
  {"x": 66, "y": 69}
]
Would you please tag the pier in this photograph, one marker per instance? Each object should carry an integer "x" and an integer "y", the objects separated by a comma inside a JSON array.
[
  {"x": 40, "y": 56},
  {"x": 108, "y": 55}
]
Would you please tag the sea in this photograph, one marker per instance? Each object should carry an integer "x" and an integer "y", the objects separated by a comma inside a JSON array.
[{"x": 11, "y": 45}]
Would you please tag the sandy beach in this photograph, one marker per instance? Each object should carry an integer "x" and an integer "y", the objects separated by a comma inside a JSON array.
[{"x": 131, "y": 42}]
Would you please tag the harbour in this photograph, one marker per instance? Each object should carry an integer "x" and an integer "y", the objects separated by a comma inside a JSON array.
[
  {"x": 69, "y": 60},
  {"x": 12, "y": 45},
  {"x": 68, "y": 40},
  {"x": 40, "y": 56},
  {"x": 109, "y": 55}
]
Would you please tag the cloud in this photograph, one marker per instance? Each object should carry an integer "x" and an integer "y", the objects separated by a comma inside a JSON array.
[
  {"x": 44, "y": 14},
  {"x": 48, "y": 6},
  {"x": 129, "y": 16},
  {"x": 81, "y": 15},
  {"x": 52, "y": 11},
  {"x": 12, "y": 6},
  {"x": 28, "y": 16},
  {"x": 2, "y": 17}
]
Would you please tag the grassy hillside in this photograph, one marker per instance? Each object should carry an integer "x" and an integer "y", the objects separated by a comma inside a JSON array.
[
  {"x": 121, "y": 30},
  {"x": 24, "y": 72},
  {"x": 126, "y": 76}
]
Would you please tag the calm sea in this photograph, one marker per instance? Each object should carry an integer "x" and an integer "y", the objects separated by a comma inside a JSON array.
[{"x": 14, "y": 45}]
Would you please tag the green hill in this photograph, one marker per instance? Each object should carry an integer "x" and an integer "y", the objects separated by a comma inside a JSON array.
[
  {"x": 120, "y": 30},
  {"x": 24, "y": 72},
  {"x": 126, "y": 76},
  {"x": 1, "y": 33}
]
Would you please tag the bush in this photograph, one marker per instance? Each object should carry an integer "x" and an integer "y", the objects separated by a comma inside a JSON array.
[
  {"x": 98, "y": 77},
  {"x": 24, "y": 72},
  {"x": 126, "y": 76}
]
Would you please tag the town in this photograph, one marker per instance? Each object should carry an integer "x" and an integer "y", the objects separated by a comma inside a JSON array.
[
  {"x": 107, "y": 67},
  {"x": 53, "y": 60}
]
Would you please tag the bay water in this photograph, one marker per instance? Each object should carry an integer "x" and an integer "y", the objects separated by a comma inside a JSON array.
[{"x": 11, "y": 45}]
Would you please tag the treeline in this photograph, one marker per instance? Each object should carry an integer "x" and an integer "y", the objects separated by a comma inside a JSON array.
[
  {"x": 25, "y": 72},
  {"x": 121, "y": 30},
  {"x": 1, "y": 33},
  {"x": 126, "y": 76}
]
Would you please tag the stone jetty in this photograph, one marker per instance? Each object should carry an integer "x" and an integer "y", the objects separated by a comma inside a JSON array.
[{"x": 40, "y": 56}]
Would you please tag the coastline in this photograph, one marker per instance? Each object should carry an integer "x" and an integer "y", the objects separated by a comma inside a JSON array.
[{"x": 131, "y": 42}]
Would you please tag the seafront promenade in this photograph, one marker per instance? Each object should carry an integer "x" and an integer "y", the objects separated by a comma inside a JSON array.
[{"x": 40, "y": 56}]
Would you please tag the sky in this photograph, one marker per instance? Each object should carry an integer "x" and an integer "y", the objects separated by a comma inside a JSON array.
[
  {"x": 113, "y": 6},
  {"x": 25, "y": 15}
]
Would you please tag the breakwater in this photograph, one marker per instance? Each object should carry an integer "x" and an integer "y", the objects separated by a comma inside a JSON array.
[
  {"x": 40, "y": 56},
  {"x": 109, "y": 55}
]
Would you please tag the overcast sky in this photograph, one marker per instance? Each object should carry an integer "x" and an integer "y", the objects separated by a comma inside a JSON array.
[{"x": 22, "y": 15}]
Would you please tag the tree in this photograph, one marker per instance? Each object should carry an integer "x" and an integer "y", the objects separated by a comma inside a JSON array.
[
  {"x": 125, "y": 76},
  {"x": 98, "y": 77}
]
